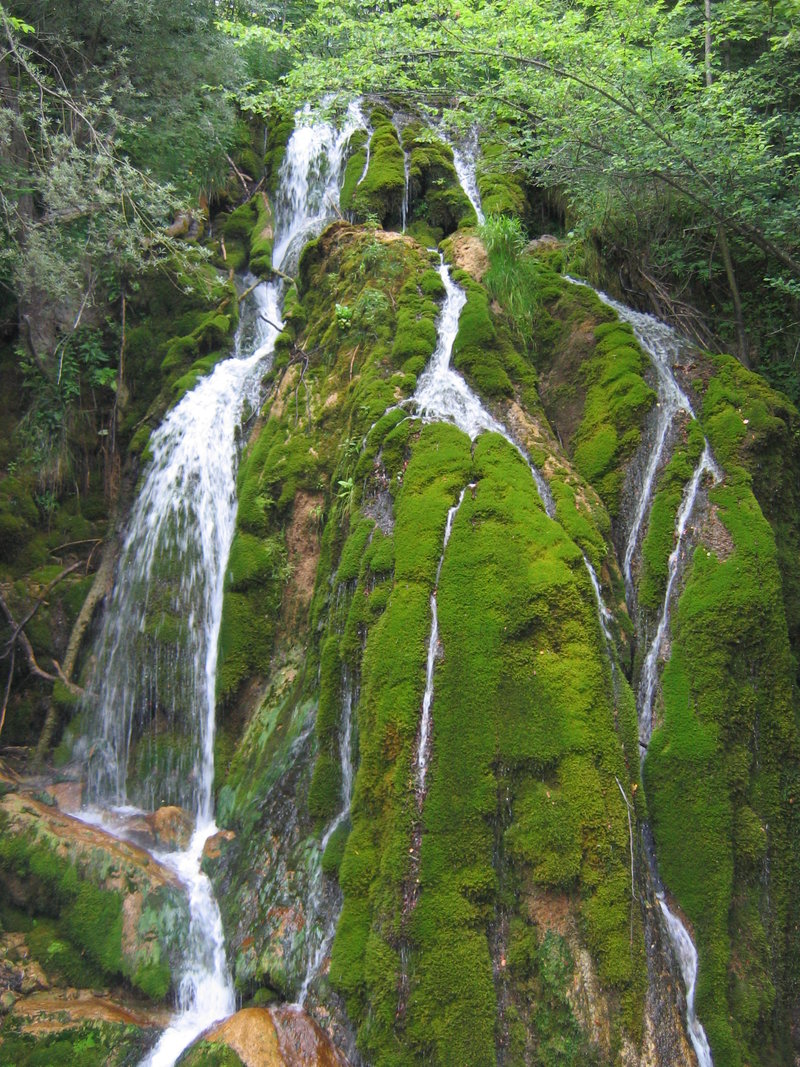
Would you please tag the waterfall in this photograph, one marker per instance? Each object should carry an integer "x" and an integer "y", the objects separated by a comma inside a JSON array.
[
  {"x": 464, "y": 159},
  {"x": 423, "y": 749},
  {"x": 662, "y": 345},
  {"x": 157, "y": 651},
  {"x": 309, "y": 180},
  {"x": 687, "y": 961},
  {"x": 406, "y": 174}
]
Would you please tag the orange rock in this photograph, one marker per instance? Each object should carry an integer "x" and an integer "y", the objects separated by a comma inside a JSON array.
[
  {"x": 285, "y": 1036},
  {"x": 171, "y": 827},
  {"x": 213, "y": 847}
]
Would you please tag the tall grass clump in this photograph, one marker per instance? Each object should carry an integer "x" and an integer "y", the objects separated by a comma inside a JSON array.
[{"x": 513, "y": 277}]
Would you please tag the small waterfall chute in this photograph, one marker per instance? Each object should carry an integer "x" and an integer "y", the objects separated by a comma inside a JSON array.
[{"x": 465, "y": 156}]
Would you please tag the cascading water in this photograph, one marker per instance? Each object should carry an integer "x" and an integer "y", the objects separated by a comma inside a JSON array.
[
  {"x": 687, "y": 961},
  {"x": 157, "y": 653},
  {"x": 442, "y": 395},
  {"x": 185, "y": 512},
  {"x": 309, "y": 181},
  {"x": 663, "y": 345},
  {"x": 179, "y": 538},
  {"x": 464, "y": 157},
  {"x": 406, "y": 175}
]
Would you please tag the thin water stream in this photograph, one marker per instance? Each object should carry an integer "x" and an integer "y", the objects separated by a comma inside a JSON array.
[
  {"x": 423, "y": 748},
  {"x": 663, "y": 346},
  {"x": 317, "y": 952}
]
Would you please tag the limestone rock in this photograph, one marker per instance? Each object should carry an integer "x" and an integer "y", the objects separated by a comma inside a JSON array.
[
  {"x": 119, "y": 907},
  {"x": 171, "y": 827},
  {"x": 285, "y": 1036}
]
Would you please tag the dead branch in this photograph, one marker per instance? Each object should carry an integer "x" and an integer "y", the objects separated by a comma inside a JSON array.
[
  {"x": 76, "y": 690},
  {"x": 249, "y": 289},
  {"x": 101, "y": 587},
  {"x": 20, "y": 638},
  {"x": 242, "y": 177},
  {"x": 8, "y": 688},
  {"x": 335, "y": 207},
  {"x": 73, "y": 544},
  {"x": 353, "y": 359},
  {"x": 48, "y": 589}
]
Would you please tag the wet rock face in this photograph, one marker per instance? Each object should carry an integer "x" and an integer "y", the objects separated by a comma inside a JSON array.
[
  {"x": 111, "y": 911},
  {"x": 265, "y": 1037},
  {"x": 77, "y": 1026}
]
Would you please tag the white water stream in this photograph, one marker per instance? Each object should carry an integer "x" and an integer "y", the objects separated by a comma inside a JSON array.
[
  {"x": 406, "y": 173},
  {"x": 464, "y": 160},
  {"x": 663, "y": 345},
  {"x": 423, "y": 752},
  {"x": 179, "y": 539},
  {"x": 649, "y": 679},
  {"x": 317, "y": 953},
  {"x": 686, "y": 955}
]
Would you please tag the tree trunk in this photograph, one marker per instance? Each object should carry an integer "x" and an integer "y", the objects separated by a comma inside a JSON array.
[{"x": 101, "y": 587}]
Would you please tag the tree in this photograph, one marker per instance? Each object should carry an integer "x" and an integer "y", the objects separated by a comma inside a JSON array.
[{"x": 608, "y": 102}]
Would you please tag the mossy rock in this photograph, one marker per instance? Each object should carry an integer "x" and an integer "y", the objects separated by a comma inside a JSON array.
[
  {"x": 380, "y": 194},
  {"x": 435, "y": 194}
]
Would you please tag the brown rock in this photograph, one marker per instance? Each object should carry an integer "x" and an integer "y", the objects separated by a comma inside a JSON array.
[
  {"x": 67, "y": 795},
  {"x": 469, "y": 254},
  {"x": 213, "y": 847},
  {"x": 171, "y": 826},
  {"x": 543, "y": 243},
  {"x": 276, "y": 1037},
  {"x": 45, "y": 1013},
  {"x": 302, "y": 1041}
]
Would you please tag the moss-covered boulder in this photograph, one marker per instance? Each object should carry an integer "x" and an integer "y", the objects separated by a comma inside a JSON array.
[
  {"x": 62, "y": 1029},
  {"x": 107, "y": 900},
  {"x": 380, "y": 195},
  {"x": 437, "y": 203}
]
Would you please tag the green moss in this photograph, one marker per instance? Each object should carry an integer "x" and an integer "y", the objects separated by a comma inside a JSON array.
[
  {"x": 767, "y": 446},
  {"x": 708, "y": 785},
  {"x": 279, "y": 130},
  {"x": 205, "y": 1053},
  {"x": 245, "y": 640},
  {"x": 435, "y": 194},
  {"x": 415, "y": 331},
  {"x": 60, "y": 959},
  {"x": 380, "y": 194},
  {"x": 239, "y": 223},
  {"x": 477, "y": 351},
  {"x": 332, "y": 857},
  {"x": 500, "y": 183},
  {"x": 89, "y": 1044},
  {"x": 89, "y": 918},
  {"x": 617, "y": 400},
  {"x": 660, "y": 537},
  {"x": 502, "y": 592},
  {"x": 354, "y": 168},
  {"x": 261, "y": 237}
]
